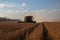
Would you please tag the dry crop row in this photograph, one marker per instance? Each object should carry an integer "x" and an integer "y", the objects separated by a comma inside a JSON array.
[
  {"x": 36, "y": 34},
  {"x": 53, "y": 30},
  {"x": 18, "y": 33}
]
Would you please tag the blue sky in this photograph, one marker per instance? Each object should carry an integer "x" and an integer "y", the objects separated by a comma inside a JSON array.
[
  {"x": 48, "y": 9},
  {"x": 34, "y": 4}
]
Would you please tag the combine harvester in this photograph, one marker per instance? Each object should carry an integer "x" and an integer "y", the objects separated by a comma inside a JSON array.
[{"x": 28, "y": 19}]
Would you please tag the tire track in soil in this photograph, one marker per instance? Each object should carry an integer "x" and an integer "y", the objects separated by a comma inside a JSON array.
[
  {"x": 23, "y": 36},
  {"x": 30, "y": 31},
  {"x": 45, "y": 33}
]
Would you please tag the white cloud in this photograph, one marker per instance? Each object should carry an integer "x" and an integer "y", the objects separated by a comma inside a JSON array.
[
  {"x": 47, "y": 15},
  {"x": 2, "y": 5},
  {"x": 6, "y": 5},
  {"x": 13, "y": 6},
  {"x": 23, "y": 4}
]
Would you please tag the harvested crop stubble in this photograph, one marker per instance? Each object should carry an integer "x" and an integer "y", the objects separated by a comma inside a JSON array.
[{"x": 14, "y": 35}]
